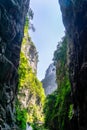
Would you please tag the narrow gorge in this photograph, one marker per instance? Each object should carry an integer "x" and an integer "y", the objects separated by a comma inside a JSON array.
[{"x": 57, "y": 102}]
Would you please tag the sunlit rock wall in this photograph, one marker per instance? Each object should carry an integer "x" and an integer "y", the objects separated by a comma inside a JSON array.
[{"x": 31, "y": 54}]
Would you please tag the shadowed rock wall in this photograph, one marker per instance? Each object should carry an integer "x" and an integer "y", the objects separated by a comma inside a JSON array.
[
  {"x": 12, "y": 19},
  {"x": 74, "y": 14}
]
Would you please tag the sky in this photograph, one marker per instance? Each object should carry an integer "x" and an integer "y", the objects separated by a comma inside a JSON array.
[{"x": 49, "y": 31}]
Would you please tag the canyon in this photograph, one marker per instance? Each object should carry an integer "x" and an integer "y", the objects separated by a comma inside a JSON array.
[{"x": 70, "y": 96}]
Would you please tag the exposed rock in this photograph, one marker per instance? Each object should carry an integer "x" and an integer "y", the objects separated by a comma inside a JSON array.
[
  {"x": 31, "y": 95},
  {"x": 12, "y": 19},
  {"x": 49, "y": 82},
  {"x": 33, "y": 57},
  {"x": 74, "y": 14},
  {"x": 31, "y": 53}
]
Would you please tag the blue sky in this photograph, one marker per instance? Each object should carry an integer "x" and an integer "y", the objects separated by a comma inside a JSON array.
[{"x": 49, "y": 31}]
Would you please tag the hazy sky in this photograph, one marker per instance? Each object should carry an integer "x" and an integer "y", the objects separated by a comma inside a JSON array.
[{"x": 49, "y": 30}]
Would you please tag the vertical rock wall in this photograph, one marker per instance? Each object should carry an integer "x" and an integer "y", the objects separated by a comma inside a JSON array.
[
  {"x": 49, "y": 82},
  {"x": 31, "y": 54},
  {"x": 74, "y": 14},
  {"x": 12, "y": 19}
]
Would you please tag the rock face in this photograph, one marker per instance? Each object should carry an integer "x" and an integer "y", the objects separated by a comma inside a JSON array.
[
  {"x": 49, "y": 82},
  {"x": 31, "y": 95},
  {"x": 31, "y": 54},
  {"x": 33, "y": 58},
  {"x": 12, "y": 19},
  {"x": 74, "y": 14}
]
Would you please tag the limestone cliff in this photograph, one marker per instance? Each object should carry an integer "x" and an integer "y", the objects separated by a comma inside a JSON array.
[
  {"x": 74, "y": 14},
  {"x": 49, "y": 82},
  {"x": 31, "y": 95},
  {"x": 30, "y": 52},
  {"x": 12, "y": 19}
]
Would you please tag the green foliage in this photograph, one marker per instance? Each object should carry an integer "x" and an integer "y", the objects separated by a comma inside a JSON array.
[
  {"x": 27, "y": 38},
  {"x": 62, "y": 104},
  {"x": 61, "y": 53},
  {"x": 38, "y": 127},
  {"x": 49, "y": 110},
  {"x": 21, "y": 117},
  {"x": 28, "y": 82},
  {"x": 57, "y": 105},
  {"x": 70, "y": 112}
]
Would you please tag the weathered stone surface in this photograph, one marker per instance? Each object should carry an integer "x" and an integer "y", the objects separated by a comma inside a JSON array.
[
  {"x": 31, "y": 53},
  {"x": 49, "y": 82},
  {"x": 12, "y": 19},
  {"x": 33, "y": 57},
  {"x": 74, "y": 14}
]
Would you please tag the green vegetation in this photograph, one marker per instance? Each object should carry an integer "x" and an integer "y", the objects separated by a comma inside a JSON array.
[
  {"x": 71, "y": 112},
  {"x": 38, "y": 127},
  {"x": 29, "y": 80},
  {"x": 58, "y": 107},
  {"x": 21, "y": 117},
  {"x": 30, "y": 100}
]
